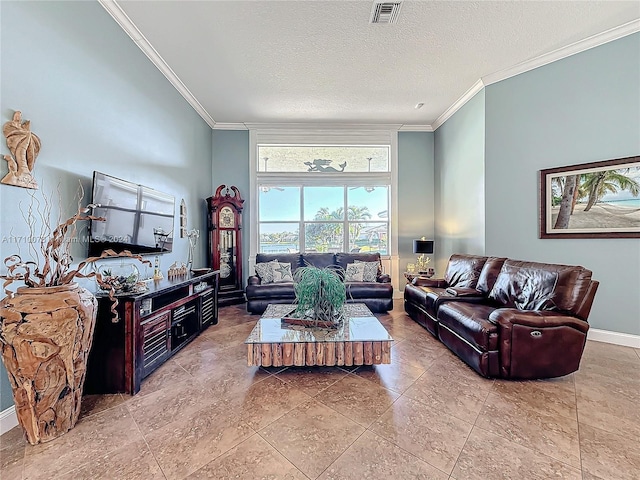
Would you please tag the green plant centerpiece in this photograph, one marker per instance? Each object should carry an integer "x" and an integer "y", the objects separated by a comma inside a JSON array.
[{"x": 320, "y": 296}]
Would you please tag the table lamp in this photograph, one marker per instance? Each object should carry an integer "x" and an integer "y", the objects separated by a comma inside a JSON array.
[{"x": 423, "y": 247}]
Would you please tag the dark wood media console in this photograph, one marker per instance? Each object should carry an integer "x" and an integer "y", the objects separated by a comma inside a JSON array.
[{"x": 152, "y": 326}]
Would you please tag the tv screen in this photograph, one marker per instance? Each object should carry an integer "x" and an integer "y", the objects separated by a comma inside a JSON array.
[{"x": 137, "y": 218}]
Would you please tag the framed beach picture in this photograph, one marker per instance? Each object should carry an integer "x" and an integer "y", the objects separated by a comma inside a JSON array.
[{"x": 591, "y": 200}]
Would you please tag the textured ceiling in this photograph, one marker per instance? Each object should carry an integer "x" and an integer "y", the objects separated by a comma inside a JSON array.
[{"x": 321, "y": 61}]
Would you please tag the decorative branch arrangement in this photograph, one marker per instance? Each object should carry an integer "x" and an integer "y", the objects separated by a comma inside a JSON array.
[
  {"x": 55, "y": 257},
  {"x": 24, "y": 146}
]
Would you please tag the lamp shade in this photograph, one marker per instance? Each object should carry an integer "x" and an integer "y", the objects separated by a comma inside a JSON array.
[{"x": 423, "y": 246}]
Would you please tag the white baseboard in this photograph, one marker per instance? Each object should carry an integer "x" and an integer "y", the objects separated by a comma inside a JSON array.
[
  {"x": 624, "y": 339},
  {"x": 8, "y": 419}
]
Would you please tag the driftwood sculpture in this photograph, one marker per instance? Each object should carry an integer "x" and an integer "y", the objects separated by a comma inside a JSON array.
[
  {"x": 45, "y": 338},
  {"x": 24, "y": 146}
]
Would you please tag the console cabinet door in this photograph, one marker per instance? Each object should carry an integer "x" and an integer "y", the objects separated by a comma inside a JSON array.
[{"x": 156, "y": 341}]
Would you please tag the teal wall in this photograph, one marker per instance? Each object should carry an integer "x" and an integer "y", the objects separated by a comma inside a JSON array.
[
  {"x": 460, "y": 182},
  {"x": 584, "y": 108},
  {"x": 97, "y": 103},
  {"x": 415, "y": 193},
  {"x": 231, "y": 167}
]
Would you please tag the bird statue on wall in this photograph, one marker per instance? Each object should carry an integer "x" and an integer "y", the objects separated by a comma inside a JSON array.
[{"x": 24, "y": 146}]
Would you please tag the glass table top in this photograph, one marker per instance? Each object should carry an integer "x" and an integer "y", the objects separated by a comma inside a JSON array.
[{"x": 353, "y": 329}]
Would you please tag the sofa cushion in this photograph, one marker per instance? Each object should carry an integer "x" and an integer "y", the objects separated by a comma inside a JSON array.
[
  {"x": 470, "y": 322},
  {"x": 354, "y": 272},
  {"x": 292, "y": 258},
  {"x": 319, "y": 260},
  {"x": 275, "y": 291},
  {"x": 489, "y": 274},
  {"x": 464, "y": 270},
  {"x": 371, "y": 269},
  {"x": 525, "y": 287},
  {"x": 281, "y": 272},
  {"x": 264, "y": 271},
  {"x": 343, "y": 259},
  {"x": 362, "y": 290}
]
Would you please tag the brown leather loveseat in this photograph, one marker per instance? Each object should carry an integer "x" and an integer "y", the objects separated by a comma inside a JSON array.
[
  {"x": 507, "y": 318},
  {"x": 376, "y": 294}
]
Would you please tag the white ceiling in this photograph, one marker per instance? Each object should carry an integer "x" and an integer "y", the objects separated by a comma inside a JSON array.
[{"x": 267, "y": 61}]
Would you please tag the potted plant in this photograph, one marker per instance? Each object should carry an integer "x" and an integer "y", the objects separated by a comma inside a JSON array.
[
  {"x": 46, "y": 330},
  {"x": 320, "y": 295}
]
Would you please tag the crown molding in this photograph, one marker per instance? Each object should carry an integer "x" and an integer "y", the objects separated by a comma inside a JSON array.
[
  {"x": 539, "y": 61},
  {"x": 458, "y": 104},
  {"x": 112, "y": 7},
  {"x": 564, "y": 52},
  {"x": 416, "y": 128},
  {"x": 322, "y": 127},
  {"x": 230, "y": 126}
]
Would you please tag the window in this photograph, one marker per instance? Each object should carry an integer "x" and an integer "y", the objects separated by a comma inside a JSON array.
[{"x": 323, "y": 198}]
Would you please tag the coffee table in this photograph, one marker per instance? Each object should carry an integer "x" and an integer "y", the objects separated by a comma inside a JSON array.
[{"x": 360, "y": 340}]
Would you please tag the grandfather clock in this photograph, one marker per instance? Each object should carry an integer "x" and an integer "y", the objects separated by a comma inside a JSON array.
[{"x": 225, "y": 242}]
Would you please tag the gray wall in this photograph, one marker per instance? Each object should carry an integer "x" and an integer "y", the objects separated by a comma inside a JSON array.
[
  {"x": 415, "y": 193},
  {"x": 584, "y": 108},
  {"x": 231, "y": 167},
  {"x": 97, "y": 103},
  {"x": 460, "y": 182}
]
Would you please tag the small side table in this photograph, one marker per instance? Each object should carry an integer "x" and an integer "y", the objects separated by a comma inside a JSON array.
[{"x": 411, "y": 275}]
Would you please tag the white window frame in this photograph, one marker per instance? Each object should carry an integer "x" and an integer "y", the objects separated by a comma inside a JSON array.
[{"x": 307, "y": 134}]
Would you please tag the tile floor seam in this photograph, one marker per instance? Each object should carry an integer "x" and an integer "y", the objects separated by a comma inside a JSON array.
[
  {"x": 582, "y": 472},
  {"x": 287, "y": 412},
  {"x": 406, "y": 451},
  {"x": 146, "y": 442},
  {"x": 531, "y": 449},
  {"x": 588, "y": 423},
  {"x": 473, "y": 425},
  {"x": 287, "y": 458},
  {"x": 616, "y": 434},
  {"x": 345, "y": 451},
  {"x": 466, "y": 440},
  {"x": 575, "y": 402}
]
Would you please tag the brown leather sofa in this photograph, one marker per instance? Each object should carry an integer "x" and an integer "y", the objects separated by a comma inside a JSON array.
[
  {"x": 378, "y": 295},
  {"x": 507, "y": 318}
]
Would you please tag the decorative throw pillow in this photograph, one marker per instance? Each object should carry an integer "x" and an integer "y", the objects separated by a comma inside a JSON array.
[
  {"x": 265, "y": 272},
  {"x": 282, "y": 272},
  {"x": 354, "y": 272},
  {"x": 370, "y": 270}
]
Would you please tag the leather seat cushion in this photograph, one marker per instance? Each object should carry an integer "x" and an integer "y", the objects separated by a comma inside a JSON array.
[
  {"x": 469, "y": 321},
  {"x": 357, "y": 290},
  {"x": 426, "y": 297},
  {"x": 271, "y": 290}
]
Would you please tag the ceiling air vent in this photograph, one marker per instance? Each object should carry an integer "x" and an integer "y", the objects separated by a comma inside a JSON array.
[{"x": 385, "y": 12}]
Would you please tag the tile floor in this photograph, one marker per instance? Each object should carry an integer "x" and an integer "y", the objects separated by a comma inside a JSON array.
[{"x": 205, "y": 414}]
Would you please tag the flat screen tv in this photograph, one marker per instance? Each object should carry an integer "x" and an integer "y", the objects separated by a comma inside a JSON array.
[{"x": 137, "y": 218}]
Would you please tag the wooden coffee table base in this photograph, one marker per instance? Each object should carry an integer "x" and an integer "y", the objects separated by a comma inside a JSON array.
[{"x": 318, "y": 353}]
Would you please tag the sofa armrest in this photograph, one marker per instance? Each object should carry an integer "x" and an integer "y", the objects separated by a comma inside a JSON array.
[
  {"x": 429, "y": 282},
  {"x": 507, "y": 317},
  {"x": 253, "y": 280},
  {"x": 538, "y": 343},
  {"x": 383, "y": 278},
  {"x": 463, "y": 292}
]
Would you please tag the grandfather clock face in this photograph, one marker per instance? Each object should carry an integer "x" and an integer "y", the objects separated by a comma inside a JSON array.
[{"x": 226, "y": 218}]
